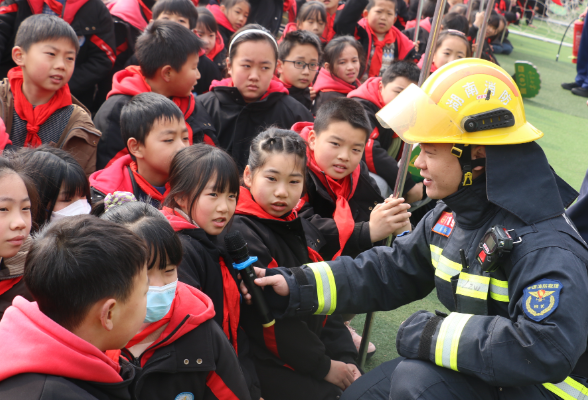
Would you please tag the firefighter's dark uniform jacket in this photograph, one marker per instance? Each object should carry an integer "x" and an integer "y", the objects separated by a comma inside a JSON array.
[{"x": 493, "y": 332}]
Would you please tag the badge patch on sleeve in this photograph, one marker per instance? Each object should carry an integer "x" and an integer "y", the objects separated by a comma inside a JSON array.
[
  {"x": 445, "y": 224},
  {"x": 541, "y": 298}
]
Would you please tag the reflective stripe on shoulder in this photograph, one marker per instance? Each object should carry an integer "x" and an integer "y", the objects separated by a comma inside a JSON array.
[
  {"x": 499, "y": 290},
  {"x": 569, "y": 389},
  {"x": 325, "y": 287},
  {"x": 444, "y": 267},
  {"x": 447, "y": 344},
  {"x": 475, "y": 286}
]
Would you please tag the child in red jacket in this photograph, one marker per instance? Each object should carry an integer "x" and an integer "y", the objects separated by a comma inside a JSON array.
[
  {"x": 231, "y": 16},
  {"x": 311, "y": 17}
]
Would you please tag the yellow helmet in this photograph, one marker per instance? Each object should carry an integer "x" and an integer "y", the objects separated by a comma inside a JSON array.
[{"x": 468, "y": 101}]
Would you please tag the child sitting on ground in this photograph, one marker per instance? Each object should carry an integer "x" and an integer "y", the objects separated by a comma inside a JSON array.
[
  {"x": 168, "y": 65},
  {"x": 299, "y": 57},
  {"x": 230, "y": 16},
  {"x": 311, "y": 17},
  {"x": 89, "y": 281},
  {"x": 37, "y": 106},
  {"x": 451, "y": 45},
  {"x": 382, "y": 42},
  {"x": 179, "y": 319},
  {"x": 154, "y": 130}
]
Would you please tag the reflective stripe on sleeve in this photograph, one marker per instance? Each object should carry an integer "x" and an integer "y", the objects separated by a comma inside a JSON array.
[
  {"x": 473, "y": 286},
  {"x": 325, "y": 287},
  {"x": 444, "y": 267},
  {"x": 447, "y": 344},
  {"x": 499, "y": 290},
  {"x": 569, "y": 389}
]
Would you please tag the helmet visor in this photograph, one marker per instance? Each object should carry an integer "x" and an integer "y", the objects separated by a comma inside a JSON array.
[{"x": 417, "y": 119}]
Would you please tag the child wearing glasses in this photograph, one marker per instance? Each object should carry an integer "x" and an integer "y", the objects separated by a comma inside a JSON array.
[{"x": 298, "y": 64}]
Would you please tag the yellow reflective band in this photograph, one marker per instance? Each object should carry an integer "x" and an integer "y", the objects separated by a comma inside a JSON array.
[
  {"x": 475, "y": 286},
  {"x": 325, "y": 287},
  {"x": 569, "y": 389},
  {"x": 499, "y": 290},
  {"x": 447, "y": 345},
  {"x": 445, "y": 268}
]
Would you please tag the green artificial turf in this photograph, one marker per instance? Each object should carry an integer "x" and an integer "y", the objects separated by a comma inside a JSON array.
[{"x": 563, "y": 118}]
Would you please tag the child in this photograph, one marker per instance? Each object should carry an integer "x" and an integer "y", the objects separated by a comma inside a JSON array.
[
  {"x": 179, "y": 319},
  {"x": 297, "y": 358},
  {"x": 451, "y": 45},
  {"x": 214, "y": 46},
  {"x": 94, "y": 33},
  {"x": 242, "y": 105},
  {"x": 491, "y": 31},
  {"x": 89, "y": 281},
  {"x": 204, "y": 186},
  {"x": 382, "y": 42},
  {"x": 333, "y": 10},
  {"x": 342, "y": 63},
  {"x": 168, "y": 65},
  {"x": 37, "y": 106},
  {"x": 19, "y": 203},
  {"x": 61, "y": 184},
  {"x": 500, "y": 44},
  {"x": 311, "y": 17},
  {"x": 153, "y": 129},
  {"x": 230, "y": 16},
  {"x": 299, "y": 56},
  {"x": 383, "y": 148}
]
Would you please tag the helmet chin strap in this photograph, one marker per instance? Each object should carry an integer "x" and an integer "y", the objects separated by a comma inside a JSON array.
[{"x": 463, "y": 152}]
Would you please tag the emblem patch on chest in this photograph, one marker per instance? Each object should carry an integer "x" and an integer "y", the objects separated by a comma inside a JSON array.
[
  {"x": 185, "y": 396},
  {"x": 445, "y": 224},
  {"x": 541, "y": 298}
]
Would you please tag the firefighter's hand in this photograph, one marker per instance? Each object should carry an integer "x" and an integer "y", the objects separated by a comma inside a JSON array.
[
  {"x": 340, "y": 374},
  {"x": 388, "y": 218},
  {"x": 277, "y": 282}
]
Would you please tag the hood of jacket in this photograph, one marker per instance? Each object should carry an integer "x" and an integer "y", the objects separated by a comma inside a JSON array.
[
  {"x": 327, "y": 82},
  {"x": 370, "y": 91},
  {"x": 113, "y": 178},
  {"x": 425, "y": 24},
  {"x": 34, "y": 343},
  {"x": 129, "y": 11},
  {"x": 220, "y": 17},
  {"x": 177, "y": 221},
  {"x": 130, "y": 81}
]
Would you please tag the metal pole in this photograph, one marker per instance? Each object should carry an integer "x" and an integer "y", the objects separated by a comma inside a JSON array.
[
  {"x": 406, "y": 153},
  {"x": 481, "y": 39},
  {"x": 418, "y": 20},
  {"x": 469, "y": 11}
]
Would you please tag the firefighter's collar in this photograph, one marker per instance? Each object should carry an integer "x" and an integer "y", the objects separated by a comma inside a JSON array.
[{"x": 470, "y": 204}]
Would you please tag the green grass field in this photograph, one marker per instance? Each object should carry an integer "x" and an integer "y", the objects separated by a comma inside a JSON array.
[{"x": 563, "y": 118}]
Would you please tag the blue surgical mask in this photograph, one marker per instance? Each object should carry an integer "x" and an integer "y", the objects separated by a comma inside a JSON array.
[{"x": 159, "y": 301}]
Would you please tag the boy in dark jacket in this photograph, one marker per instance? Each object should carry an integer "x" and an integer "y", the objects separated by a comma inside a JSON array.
[
  {"x": 384, "y": 148},
  {"x": 168, "y": 61},
  {"x": 381, "y": 40},
  {"x": 89, "y": 280},
  {"x": 36, "y": 103},
  {"x": 92, "y": 24},
  {"x": 154, "y": 131}
]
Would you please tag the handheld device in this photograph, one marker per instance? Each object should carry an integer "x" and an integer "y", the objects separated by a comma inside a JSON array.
[
  {"x": 494, "y": 246},
  {"x": 237, "y": 248}
]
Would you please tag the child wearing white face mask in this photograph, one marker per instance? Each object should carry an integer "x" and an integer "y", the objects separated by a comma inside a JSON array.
[
  {"x": 63, "y": 187},
  {"x": 180, "y": 349}
]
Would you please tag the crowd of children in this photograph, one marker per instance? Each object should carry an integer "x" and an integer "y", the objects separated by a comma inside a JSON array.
[{"x": 136, "y": 134}]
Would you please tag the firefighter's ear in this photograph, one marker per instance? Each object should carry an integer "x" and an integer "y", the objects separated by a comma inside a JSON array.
[{"x": 478, "y": 152}]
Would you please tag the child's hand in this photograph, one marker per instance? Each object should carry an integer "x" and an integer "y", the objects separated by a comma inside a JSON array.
[
  {"x": 416, "y": 46},
  {"x": 354, "y": 370},
  {"x": 312, "y": 93},
  {"x": 388, "y": 218},
  {"x": 340, "y": 374},
  {"x": 479, "y": 19}
]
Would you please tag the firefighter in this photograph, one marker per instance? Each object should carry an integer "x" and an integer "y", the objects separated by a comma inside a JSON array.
[{"x": 498, "y": 249}]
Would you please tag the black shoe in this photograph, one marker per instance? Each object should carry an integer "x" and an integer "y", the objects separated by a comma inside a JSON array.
[
  {"x": 569, "y": 86},
  {"x": 580, "y": 91}
]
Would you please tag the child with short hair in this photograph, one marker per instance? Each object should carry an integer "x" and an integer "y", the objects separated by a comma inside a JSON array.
[
  {"x": 451, "y": 45},
  {"x": 20, "y": 204},
  {"x": 491, "y": 30},
  {"x": 204, "y": 187},
  {"x": 181, "y": 11},
  {"x": 37, "y": 105},
  {"x": 251, "y": 99},
  {"x": 298, "y": 63},
  {"x": 214, "y": 45},
  {"x": 89, "y": 281},
  {"x": 384, "y": 148},
  {"x": 311, "y": 17},
  {"x": 333, "y": 10},
  {"x": 296, "y": 358},
  {"x": 168, "y": 65},
  {"x": 179, "y": 319},
  {"x": 153, "y": 128},
  {"x": 93, "y": 30},
  {"x": 230, "y": 16},
  {"x": 343, "y": 61},
  {"x": 381, "y": 40}
]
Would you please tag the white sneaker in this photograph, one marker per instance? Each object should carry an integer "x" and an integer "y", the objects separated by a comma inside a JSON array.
[{"x": 357, "y": 340}]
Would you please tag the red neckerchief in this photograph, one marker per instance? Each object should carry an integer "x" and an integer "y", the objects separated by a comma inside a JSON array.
[
  {"x": 275, "y": 85},
  {"x": 327, "y": 82},
  {"x": 146, "y": 11},
  {"x": 248, "y": 206},
  {"x": 55, "y": 6},
  {"x": 329, "y": 32},
  {"x": 290, "y": 7},
  {"x": 35, "y": 117},
  {"x": 220, "y": 17},
  {"x": 343, "y": 190},
  {"x": 8, "y": 284},
  {"x": 146, "y": 187},
  {"x": 219, "y": 45},
  {"x": 420, "y": 65},
  {"x": 376, "y": 60}
]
